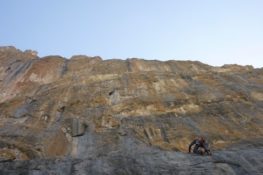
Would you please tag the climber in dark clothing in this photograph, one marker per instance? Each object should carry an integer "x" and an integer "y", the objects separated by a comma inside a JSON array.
[{"x": 200, "y": 146}]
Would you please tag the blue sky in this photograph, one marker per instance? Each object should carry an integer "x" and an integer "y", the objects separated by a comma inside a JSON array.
[{"x": 215, "y": 32}]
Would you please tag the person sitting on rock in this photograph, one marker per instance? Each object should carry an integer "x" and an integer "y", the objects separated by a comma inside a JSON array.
[{"x": 201, "y": 146}]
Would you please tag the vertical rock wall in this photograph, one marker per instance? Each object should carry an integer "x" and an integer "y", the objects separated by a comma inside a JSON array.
[{"x": 113, "y": 114}]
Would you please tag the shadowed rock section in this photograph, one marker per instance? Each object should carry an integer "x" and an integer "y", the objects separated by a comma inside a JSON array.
[{"x": 86, "y": 115}]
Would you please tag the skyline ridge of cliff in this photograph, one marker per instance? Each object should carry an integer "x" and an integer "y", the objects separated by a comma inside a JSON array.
[{"x": 35, "y": 52}]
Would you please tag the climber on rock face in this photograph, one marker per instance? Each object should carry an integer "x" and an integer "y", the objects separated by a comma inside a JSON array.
[{"x": 200, "y": 146}]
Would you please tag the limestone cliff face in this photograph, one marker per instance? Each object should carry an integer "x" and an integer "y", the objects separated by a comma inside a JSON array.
[{"x": 140, "y": 114}]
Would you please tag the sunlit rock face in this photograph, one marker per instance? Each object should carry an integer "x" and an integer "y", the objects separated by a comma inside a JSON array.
[{"x": 85, "y": 115}]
